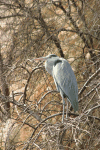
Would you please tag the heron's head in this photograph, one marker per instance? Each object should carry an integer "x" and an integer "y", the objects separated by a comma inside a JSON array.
[{"x": 47, "y": 57}]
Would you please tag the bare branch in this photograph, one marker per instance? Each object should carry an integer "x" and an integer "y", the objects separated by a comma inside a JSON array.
[
  {"x": 11, "y": 16},
  {"x": 88, "y": 81},
  {"x": 78, "y": 31}
]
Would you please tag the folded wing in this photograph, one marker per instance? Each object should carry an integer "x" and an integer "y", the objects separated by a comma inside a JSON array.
[{"x": 65, "y": 81}]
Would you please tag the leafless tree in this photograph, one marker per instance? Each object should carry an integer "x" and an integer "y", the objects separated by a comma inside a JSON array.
[{"x": 34, "y": 28}]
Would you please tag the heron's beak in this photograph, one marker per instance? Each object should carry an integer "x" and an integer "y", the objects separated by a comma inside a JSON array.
[{"x": 41, "y": 58}]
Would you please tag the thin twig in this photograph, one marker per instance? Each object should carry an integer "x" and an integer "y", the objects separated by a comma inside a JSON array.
[{"x": 88, "y": 81}]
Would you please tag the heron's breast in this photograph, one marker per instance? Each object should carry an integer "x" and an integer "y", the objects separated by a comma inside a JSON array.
[{"x": 48, "y": 67}]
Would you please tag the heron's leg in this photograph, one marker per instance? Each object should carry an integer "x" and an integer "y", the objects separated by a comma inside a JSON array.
[
  {"x": 63, "y": 109},
  {"x": 67, "y": 110},
  {"x": 61, "y": 93}
]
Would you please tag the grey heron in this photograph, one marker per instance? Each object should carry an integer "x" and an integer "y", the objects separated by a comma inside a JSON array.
[{"x": 64, "y": 79}]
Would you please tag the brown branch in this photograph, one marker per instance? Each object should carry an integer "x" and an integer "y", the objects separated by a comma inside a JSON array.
[
  {"x": 79, "y": 12},
  {"x": 88, "y": 81},
  {"x": 89, "y": 110},
  {"x": 10, "y": 16},
  {"x": 49, "y": 92},
  {"x": 24, "y": 98},
  {"x": 94, "y": 117},
  {"x": 53, "y": 38},
  {"x": 4, "y": 86},
  {"x": 89, "y": 92},
  {"x": 45, "y": 27},
  {"x": 25, "y": 108},
  {"x": 8, "y": 5},
  {"x": 85, "y": 33},
  {"x": 67, "y": 13},
  {"x": 82, "y": 16}
]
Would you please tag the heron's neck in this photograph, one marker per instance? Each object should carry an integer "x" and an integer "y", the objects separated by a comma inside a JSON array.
[{"x": 49, "y": 65}]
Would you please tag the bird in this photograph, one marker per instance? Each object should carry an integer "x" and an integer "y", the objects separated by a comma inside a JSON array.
[{"x": 64, "y": 79}]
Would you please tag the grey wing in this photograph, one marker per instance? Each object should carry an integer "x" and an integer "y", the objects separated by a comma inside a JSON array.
[{"x": 65, "y": 80}]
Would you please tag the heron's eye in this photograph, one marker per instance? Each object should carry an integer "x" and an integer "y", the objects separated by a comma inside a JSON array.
[{"x": 53, "y": 55}]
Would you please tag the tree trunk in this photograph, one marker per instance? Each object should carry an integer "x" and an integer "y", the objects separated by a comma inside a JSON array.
[{"x": 4, "y": 89}]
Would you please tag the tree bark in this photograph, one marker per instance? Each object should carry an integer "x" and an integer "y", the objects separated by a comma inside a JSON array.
[{"x": 4, "y": 88}]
